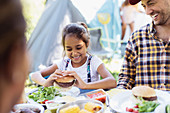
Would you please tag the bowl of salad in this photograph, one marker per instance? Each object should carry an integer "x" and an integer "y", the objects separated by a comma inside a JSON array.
[{"x": 42, "y": 94}]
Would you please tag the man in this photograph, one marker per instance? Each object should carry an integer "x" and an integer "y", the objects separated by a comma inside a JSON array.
[{"x": 147, "y": 56}]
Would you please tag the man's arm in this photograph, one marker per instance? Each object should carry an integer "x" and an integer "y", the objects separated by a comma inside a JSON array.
[{"x": 128, "y": 71}]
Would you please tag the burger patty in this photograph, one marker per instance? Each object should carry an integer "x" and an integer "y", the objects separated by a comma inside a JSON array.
[
  {"x": 65, "y": 84},
  {"x": 148, "y": 98}
]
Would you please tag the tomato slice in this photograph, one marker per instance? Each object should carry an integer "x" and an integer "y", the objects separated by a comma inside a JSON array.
[
  {"x": 102, "y": 99},
  {"x": 43, "y": 102}
]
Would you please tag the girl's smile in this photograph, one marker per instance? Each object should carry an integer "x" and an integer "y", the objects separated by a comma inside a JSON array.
[{"x": 76, "y": 58}]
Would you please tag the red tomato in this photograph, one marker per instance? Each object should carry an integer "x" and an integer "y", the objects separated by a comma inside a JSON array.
[
  {"x": 134, "y": 111},
  {"x": 129, "y": 109},
  {"x": 126, "y": 108},
  {"x": 96, "y": 94},
  {"x": 136, "y": 106},
  {"x": 43, "y": 102}
]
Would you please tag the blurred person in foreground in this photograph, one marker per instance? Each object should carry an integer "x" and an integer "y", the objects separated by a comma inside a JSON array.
[
  {"x": 147, "y": 55},
  {"x": 13, "y": 55}
]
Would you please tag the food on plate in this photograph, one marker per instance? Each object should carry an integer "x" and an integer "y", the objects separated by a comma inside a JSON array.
[
  {"x": 53, "y": 105},
  {"x": 101, "y": 98},
  {"x": 70, "y": 109},
  {"x": 68, "y": 99},
  {"x": 82, "y": 106},
  {"x": 92, "y": 107},
  {"x": 145, "y": 92},
  {"x": 145, "y": 106},
  {"x": 99, "y": 94},
  {"x": 144, "y": 98},
  {"x": 65, "y": 81},
  {"x": 44, "y": 94},
  {"x": 84, "y": 111},
  {"x": 167, "y": 108},
  {"x": 26, "y": 108}
]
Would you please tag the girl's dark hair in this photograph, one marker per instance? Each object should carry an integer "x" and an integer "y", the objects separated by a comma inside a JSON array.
[{"x": 79, "y": 30}]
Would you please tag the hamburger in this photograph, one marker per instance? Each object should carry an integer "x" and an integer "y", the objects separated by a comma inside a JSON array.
[
  {"x": 65, "y": 81},
  {"x": 145, "y": 92}
]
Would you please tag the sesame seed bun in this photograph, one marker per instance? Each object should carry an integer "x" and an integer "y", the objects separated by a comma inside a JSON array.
[{"x": 146, "y": 92}]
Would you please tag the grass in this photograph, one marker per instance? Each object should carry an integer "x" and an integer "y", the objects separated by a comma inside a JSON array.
[{"x": 114, "y": 66}]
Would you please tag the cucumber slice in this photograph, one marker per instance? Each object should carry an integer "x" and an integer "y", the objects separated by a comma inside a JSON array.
[{"x": 167, "y": 108}]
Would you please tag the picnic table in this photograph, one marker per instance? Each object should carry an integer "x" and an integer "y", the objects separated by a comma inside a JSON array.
[{"x": 119, "y": 94}]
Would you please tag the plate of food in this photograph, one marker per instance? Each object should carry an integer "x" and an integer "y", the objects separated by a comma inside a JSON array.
[
  {"x": 28, "y": 108},
  {"x": 98, "y": 94},
  {"x": 82, "y": 106},
  {"x": 139, "y": 99},
  {"x": 42, "y": 94}
]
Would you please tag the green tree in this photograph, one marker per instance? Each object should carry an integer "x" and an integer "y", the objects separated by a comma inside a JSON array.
[{"x": 32, "y": 10}]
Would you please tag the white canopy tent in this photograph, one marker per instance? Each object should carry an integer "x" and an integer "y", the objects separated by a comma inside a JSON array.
[{"x": 45, "y": 42}]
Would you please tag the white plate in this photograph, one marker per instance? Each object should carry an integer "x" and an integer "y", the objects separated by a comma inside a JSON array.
[
  {"x": 74, "y": 91},
  {"x": 161, "y": 108},
  {"x": 122, "y": 100}
]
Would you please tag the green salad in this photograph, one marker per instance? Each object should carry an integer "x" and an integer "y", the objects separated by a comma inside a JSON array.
[
  {"x": 147, "y": 106},
  {"x": 143, "y": 106},
  {"x": 44, "y": 94}
]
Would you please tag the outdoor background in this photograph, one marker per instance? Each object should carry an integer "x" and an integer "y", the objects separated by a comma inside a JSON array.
[{"x": 33, "y": 9}]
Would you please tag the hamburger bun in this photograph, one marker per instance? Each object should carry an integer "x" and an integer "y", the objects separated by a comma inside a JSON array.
[
  {"x": 65, "y": 81},
  {"x": 146, "y": 92}
]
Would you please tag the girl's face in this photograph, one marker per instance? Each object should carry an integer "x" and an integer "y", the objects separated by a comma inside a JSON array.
[{"x": 75, "y": 50}]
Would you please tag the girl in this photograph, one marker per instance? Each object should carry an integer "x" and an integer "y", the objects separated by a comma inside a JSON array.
[{"x": 85, "y": 68}]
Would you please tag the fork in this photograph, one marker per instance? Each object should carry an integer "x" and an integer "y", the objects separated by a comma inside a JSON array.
[{"x": 108, "y": 105}]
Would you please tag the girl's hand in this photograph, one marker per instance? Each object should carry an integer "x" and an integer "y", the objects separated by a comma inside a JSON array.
[
  {"x": 58, "y": 72},
  {"x": 52, "y": 78},
  {"x": 79, "y": 82}
]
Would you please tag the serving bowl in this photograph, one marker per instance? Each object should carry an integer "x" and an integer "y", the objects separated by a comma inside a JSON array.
[
  {"x": 81, "y": 104},
  {"x": 33, "y": 107}
]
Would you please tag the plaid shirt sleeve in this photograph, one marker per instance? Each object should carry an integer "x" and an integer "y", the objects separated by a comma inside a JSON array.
[{"x": 128, "y": 72}]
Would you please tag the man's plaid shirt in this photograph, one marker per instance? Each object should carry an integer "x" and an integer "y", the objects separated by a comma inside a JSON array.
[{"x": 146, "y": 62}]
